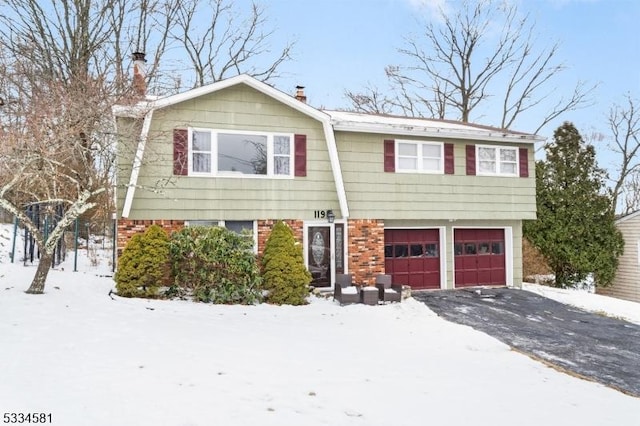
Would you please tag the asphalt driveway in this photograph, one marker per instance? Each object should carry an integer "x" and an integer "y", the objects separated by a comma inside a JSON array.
[{"x": 603, "y": 349}]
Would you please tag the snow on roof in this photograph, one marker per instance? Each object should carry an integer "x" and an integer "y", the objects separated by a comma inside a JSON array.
[
  {"x": 345, "y": 120},
  {"x": 389, "y": 124}
]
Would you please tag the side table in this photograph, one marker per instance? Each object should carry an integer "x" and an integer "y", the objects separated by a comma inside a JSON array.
[{"x": 369, "y": 295}]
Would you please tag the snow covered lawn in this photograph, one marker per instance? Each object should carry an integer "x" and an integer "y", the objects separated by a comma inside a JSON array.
[
  {"x": 610, "y": 306},
  {"x": 90, "y": 360}
]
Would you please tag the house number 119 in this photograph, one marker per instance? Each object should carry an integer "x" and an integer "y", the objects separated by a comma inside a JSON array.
[{"x": 319, "y": 214}]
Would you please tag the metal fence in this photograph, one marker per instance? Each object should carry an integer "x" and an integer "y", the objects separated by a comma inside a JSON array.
[{"x": 93, "y": 240}]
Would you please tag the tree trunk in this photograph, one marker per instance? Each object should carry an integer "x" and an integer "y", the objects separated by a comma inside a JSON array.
[{"x": 37, "y": 285}]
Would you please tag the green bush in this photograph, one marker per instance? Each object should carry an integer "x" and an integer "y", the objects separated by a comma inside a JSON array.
[
  {"x": 143, "y": 267},
  {"x": 284, "y": 275},
  {"x": 215, "y": 265}
]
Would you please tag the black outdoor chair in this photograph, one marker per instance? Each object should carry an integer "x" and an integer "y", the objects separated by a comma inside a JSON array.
[
  {"x": 344, "y": 291},
  {"x": 388, "y": 292}
]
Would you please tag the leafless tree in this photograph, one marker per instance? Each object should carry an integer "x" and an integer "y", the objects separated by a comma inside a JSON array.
[
  {"x": 220, "y": 41},
  {"x": 52, "y": 151},
  {"x": 483, "y": 53},
  {"x": 73, "y": 39},
  {"x": 624, "y": 123},
  {"x": 63, "y": 65}
]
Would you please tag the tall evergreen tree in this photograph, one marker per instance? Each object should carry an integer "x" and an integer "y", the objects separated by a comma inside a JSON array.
[
  {"x": 284, "y": 275},
  {"x": 575, "y": 229}
]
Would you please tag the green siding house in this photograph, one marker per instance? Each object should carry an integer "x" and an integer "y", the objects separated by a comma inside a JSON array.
[
  {"x": 626, "y": 284},
  {"x": 436, "y": 204}
]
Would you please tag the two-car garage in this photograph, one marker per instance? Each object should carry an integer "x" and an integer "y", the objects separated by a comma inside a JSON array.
[{"x": 414, "y": 257}]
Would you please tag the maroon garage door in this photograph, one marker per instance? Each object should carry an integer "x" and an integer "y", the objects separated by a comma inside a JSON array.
[
  {"x": 479, "y": 257},
  {"x": 412, "y": 257}
]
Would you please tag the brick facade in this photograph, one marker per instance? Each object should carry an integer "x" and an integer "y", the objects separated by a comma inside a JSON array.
[
  {"x": 265, "y": 226},
  {"x": 128, "y": 228},
  {"x": 365, "y": 241},
  {"x": 366, "y": 249}
]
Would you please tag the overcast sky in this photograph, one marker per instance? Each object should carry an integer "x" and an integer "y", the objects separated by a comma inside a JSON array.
[{"x": 345, "y": 44}]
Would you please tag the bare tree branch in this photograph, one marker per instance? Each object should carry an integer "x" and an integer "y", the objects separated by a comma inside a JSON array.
[
  {"x": 483, "y": 53},
  {"x": 624, "y": 123},
  {"x": 229, "y": 45}
]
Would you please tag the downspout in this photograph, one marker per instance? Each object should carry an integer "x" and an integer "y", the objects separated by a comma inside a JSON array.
[{"x": 137, "y": 163}]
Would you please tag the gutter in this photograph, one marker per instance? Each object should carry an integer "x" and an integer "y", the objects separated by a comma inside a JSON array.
[{"x": 349, "y": 126}]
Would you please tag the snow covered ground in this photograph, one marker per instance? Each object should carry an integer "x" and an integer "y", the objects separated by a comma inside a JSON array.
[
  {"x": 617, "y": 308},
  {"x": 90, "y": 360}
]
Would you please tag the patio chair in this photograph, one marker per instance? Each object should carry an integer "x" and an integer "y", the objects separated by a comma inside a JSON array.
[
  {"x": 344, "y": 291},
  {"x": 388, "y": 292}
]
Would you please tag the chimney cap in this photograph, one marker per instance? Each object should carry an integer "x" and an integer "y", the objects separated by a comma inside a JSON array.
[
  {"x": 300, "y": 94},
  {"x": 139, "y": 56}
]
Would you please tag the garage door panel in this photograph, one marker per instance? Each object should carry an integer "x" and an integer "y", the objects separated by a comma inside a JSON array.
[
  {"x": 479, "y": 257},
  {"x": 412, "y": 257}
]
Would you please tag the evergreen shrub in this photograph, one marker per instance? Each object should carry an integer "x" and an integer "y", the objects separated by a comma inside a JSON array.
[
  {"x": 143, "y": 267},
  {"x": 214, "y": 264},
  {"x": 284, "y": 275}
]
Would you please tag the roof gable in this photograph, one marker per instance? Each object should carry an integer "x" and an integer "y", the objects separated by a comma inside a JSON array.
[{"x": 154, "y": 104}]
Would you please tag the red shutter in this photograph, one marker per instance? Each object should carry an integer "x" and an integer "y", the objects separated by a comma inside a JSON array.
[
  {"x": 180, "y": 152},
  {"x": 471, "y": 160},
  {"x": 448, "y": 159},
  {"x": 389, "y": 155},
  {"x": 300, "y": 148},
  {"x": 524, "y": 162}
]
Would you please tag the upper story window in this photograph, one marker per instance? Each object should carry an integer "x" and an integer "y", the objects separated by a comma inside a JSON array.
[
  {"x": 419, "y": 157},
  {"x": 233, "y": 153},
  {"x": 494, "y": 160}
]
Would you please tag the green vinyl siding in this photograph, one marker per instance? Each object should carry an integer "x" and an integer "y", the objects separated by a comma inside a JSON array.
[
  {"x": 161, "y": 195},
  {"x": 373, "y": 193},
  {"x": 626, "y": 284}
]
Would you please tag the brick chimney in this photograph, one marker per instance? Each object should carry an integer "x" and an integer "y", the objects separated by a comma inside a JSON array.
[
  {"x": 139, "y": 74},
  {"x": 300, "y": 94}
]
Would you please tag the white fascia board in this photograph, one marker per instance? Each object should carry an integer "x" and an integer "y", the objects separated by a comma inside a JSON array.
[
  {"x": 350, "y": 126},
  {"x": 137, "y": 163},
  {"x": 329, "y": 136}
]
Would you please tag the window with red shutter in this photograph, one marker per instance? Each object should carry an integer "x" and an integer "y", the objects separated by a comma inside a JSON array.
[
  {"x": 524, "y": 162},
  {"x": 449, "y": 166},
  {"x": 471, "y": 160},
  {"x": 300, "y": 149},
  {"x": 389, "y": 156},
  {"x": 180, "y": 152}
]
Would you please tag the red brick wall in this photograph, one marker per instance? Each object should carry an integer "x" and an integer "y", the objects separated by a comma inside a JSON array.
[
  {"x": 366, "y": 249},
  {"x": 265, "y": 226},
  {"x": 128, "y": 228}
]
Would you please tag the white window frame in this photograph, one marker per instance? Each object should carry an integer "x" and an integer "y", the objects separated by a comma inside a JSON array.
[
  {"x": 270, "y": 154},
  {"x": 496, "y": 149},
  {"x": 420, "y": 157}
]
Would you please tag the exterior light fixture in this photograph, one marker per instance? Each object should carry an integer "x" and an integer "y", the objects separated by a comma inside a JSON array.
[{"x": 331, "y": 216}]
